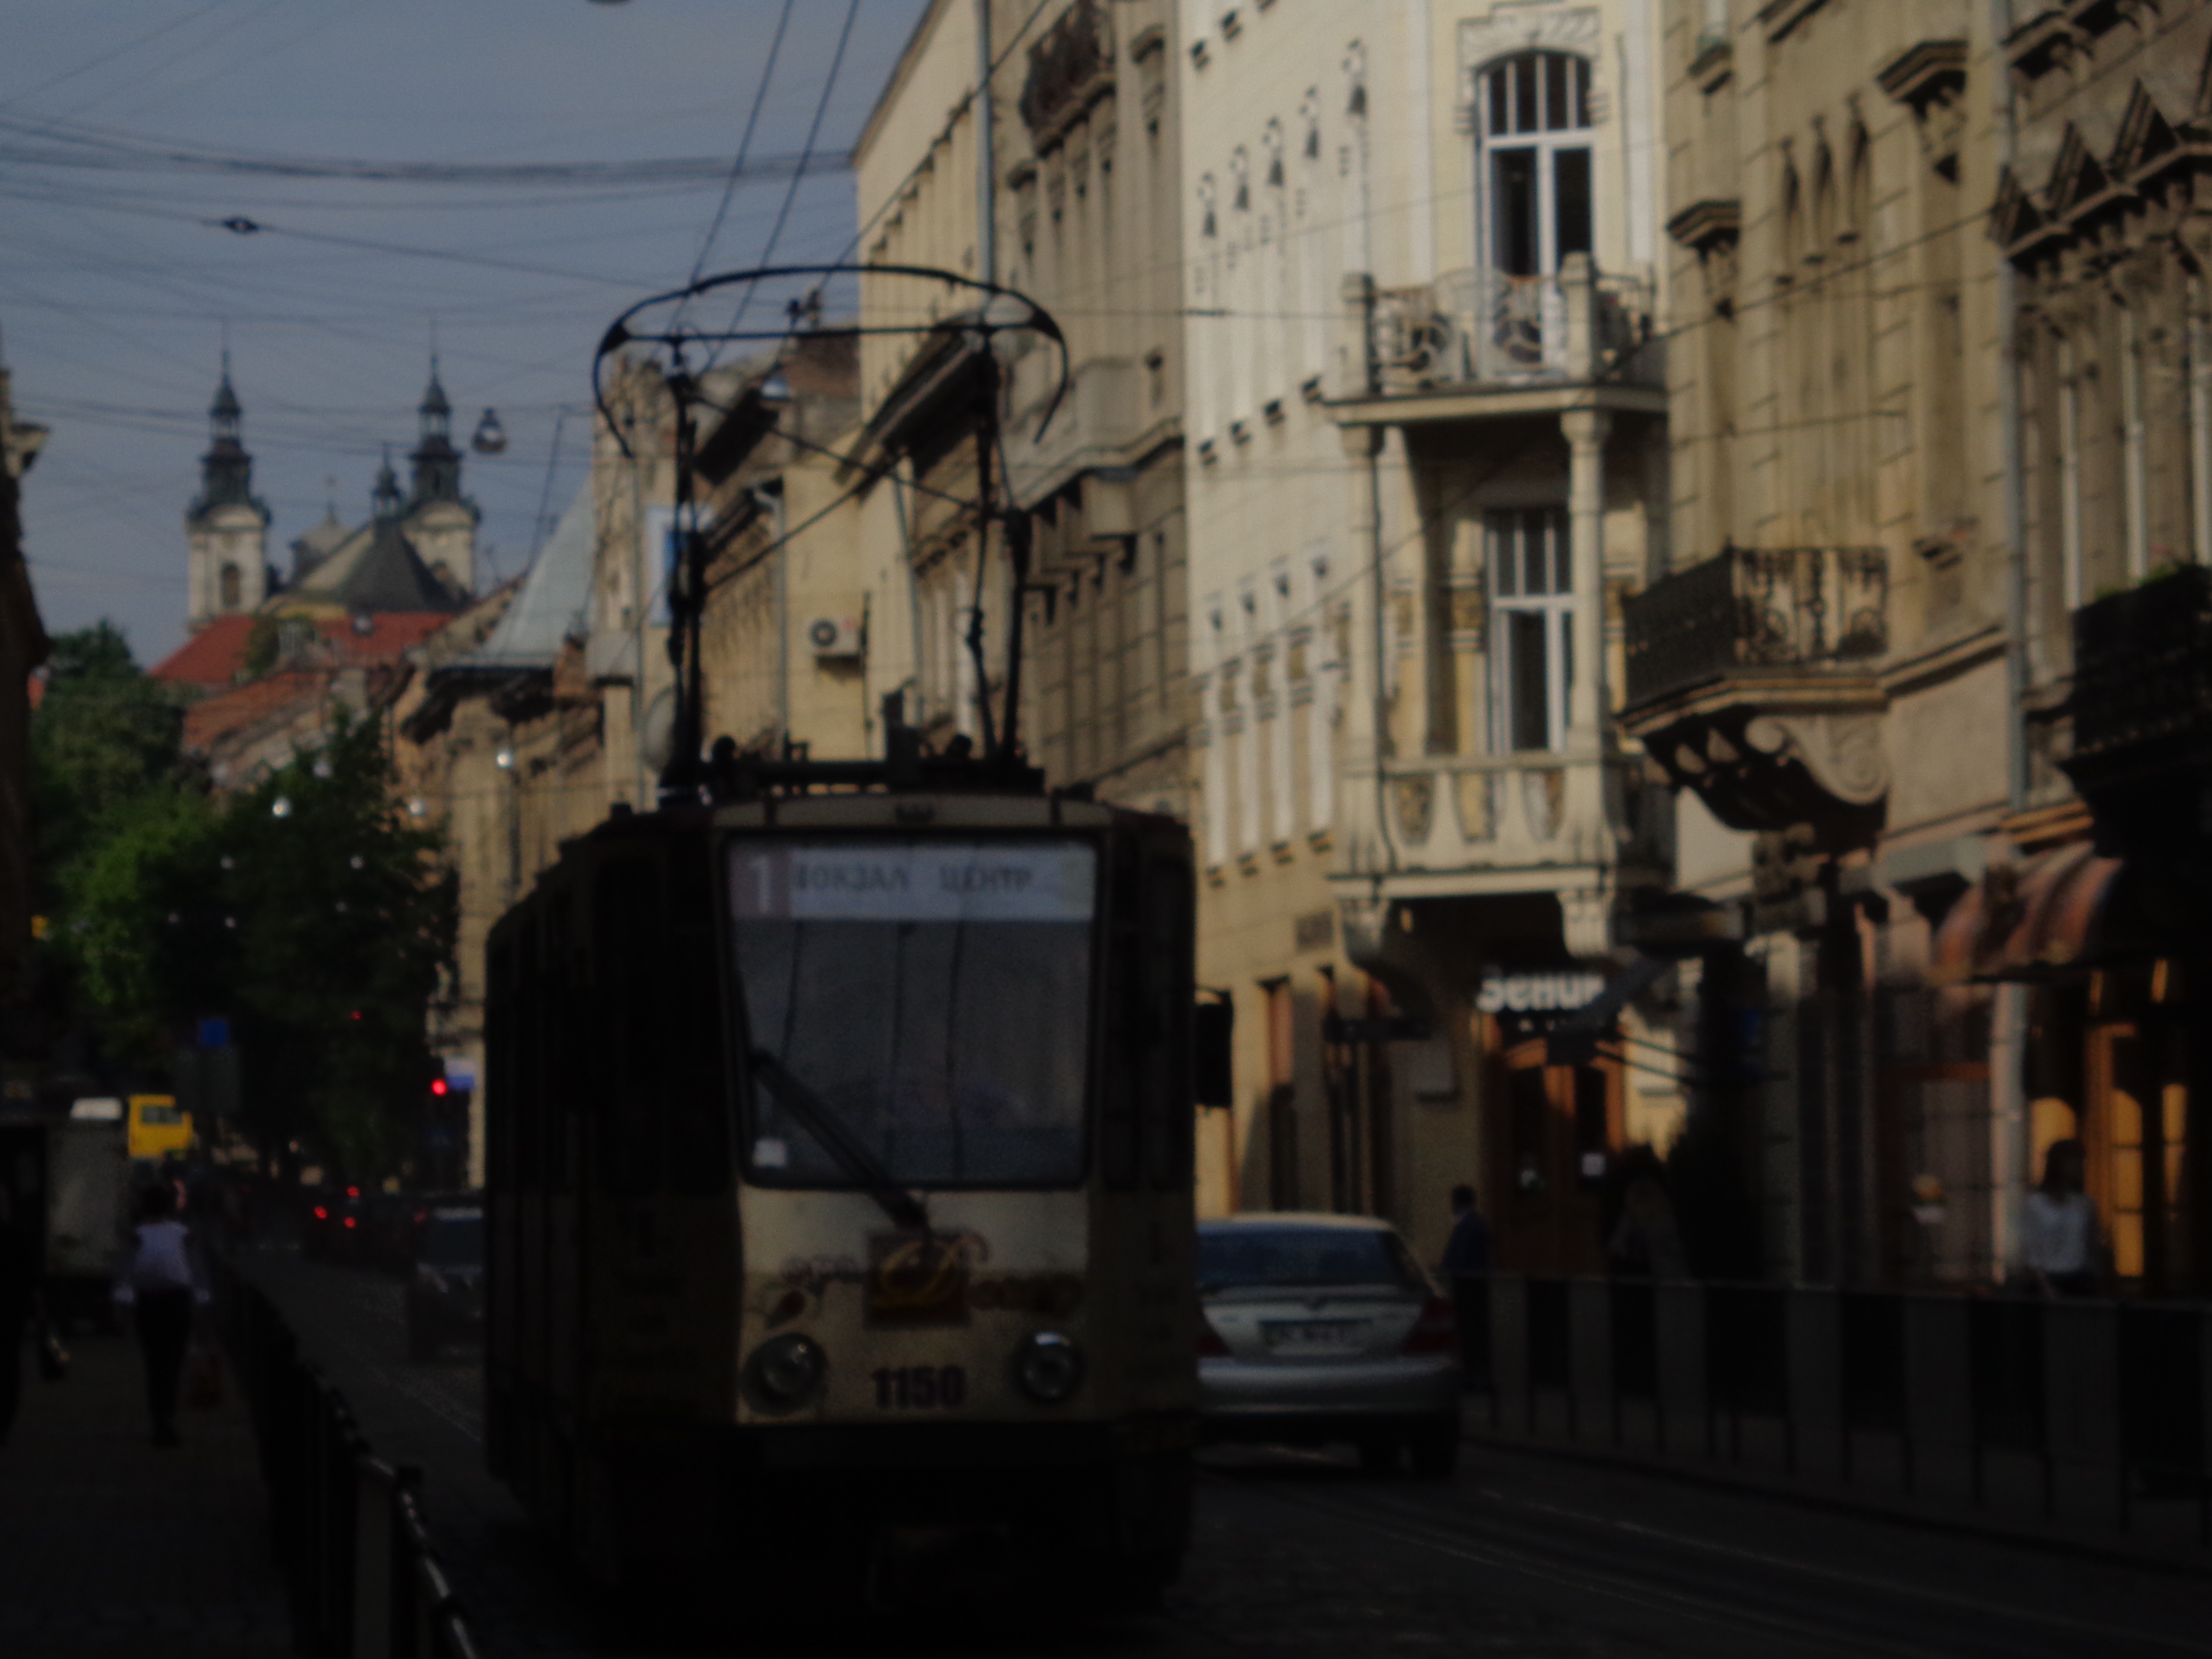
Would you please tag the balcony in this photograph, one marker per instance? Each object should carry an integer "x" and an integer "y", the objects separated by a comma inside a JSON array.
[
  {"x": 1801, "y": 609},
  {"x": 2141, "y": 715},
  {"x": 2142, "y": 676},
  {"x": 1467, "y": 825},
  {"x": 1751, "y": 679},
  {"x": 1484, "y": 328}
]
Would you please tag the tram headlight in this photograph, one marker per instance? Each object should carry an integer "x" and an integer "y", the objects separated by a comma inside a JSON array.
[
  {"x": 1048, "y": 1367},
  {"x": 786, "y": 1371}
]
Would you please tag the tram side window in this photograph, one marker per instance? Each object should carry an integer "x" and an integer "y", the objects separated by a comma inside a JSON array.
[
  {"x": 1166, "y": 992},
  {"x": 564, "y": 1080},
  {"x": 632, "y": 959},
  {"x": 698, "y": 1099},
  {"x": 526, "y": 1112},
  {"x": 1123, "y": 1074},
  {"x": 499, "y": 1069}
]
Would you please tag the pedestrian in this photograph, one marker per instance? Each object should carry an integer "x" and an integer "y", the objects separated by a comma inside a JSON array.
[
  {"x": 2058, "y": 1227},
  {"x": 162, "y": 1287},
  {"x": 1466, "y": 1275},
  {"x": 18, "y": 1292},
  {"x": 1646, "y": 1243},
  {"x": 1466, "y": 1252}
]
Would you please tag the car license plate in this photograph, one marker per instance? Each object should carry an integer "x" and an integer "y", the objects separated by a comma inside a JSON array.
[{"x": 1314, "y": 1336}]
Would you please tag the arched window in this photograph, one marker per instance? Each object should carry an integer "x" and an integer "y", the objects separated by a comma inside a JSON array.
[
  {"x": 229, "y": 585},
  {"x": 1534, "y": 123}
]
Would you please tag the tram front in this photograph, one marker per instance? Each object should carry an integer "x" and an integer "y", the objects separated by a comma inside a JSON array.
[{"x": 961, "y": 1033}]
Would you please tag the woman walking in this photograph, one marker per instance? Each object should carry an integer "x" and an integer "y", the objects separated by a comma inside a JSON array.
[
  {"x": 162, "y": 1287},
  {"x": 2058, "y": 1231}
]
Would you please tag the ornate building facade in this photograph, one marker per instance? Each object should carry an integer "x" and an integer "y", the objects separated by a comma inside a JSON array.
[
  {"x": 1428, "y": 417},
  {"x": 2102, "y": 220},
  {"x": 1827, "y": 676},
  {"x": 1062, "y": 184}
]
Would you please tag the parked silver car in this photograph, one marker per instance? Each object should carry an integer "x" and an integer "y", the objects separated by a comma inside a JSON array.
[{"x": 1323, "y": 1328}]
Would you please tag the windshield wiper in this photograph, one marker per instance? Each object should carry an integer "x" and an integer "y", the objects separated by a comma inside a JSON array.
[{"x": 852, "y": 1154}]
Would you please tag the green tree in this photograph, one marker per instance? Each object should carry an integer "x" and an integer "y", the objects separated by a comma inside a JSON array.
[
  {"x": 104, "y": 736},
  {"x": 337, "y": 926},
  {"x": 307, "y": 909}
]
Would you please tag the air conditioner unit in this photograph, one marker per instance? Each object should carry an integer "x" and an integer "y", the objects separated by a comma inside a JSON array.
[{"x": 834, "y": 636}]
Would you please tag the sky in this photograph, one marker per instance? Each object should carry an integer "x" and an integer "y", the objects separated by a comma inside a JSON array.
[{"x": 131, "y": 130}]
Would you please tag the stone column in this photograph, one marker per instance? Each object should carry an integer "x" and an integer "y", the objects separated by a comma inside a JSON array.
[{"x": 1585, "y": 430}]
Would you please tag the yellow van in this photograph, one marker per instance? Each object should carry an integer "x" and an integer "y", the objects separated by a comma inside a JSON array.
[{"x": 157, "y": 1127}]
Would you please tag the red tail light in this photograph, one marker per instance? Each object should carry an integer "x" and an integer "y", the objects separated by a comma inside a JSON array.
[
  {"x": 321, "y": 1214},
  {"x": 349, "y": 1221},
  {"x": 353, "y": 1192},
  {"x": 1210, "y": 1344},
  {"x": 1437, "y": 1331}
]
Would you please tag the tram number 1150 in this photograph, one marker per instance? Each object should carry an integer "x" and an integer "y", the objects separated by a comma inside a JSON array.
[{"x": 920, "y": 1388}]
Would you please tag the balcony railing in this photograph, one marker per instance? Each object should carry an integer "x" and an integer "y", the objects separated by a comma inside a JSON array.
[
  {"x": 2142, "y": 667},
  {"x": 1482, "y": 327},
  {"x": 1518, "y": 811},
  {"x": 1811, "y": 608}
]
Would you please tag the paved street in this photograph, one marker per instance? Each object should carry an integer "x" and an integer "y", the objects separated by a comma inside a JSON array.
[
  {"x": 1300, "y": 1553},
  {"x": 110, "y": 1547}
]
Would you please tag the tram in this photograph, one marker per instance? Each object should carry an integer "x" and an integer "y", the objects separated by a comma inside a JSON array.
[{"x": 839, "y": 1179}]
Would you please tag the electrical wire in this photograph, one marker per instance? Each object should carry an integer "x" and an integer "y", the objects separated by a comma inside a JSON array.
[
  {"x": 767, "y": 256},
  {"x": 111, "y": 54},
  {"x": 88, "y": 151},
  {"x": 745, "y": 145}
]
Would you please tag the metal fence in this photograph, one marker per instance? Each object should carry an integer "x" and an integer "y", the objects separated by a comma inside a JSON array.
[
  {"x": 361, "y": 1576},
  {"x": 2088, "y": 1412}
]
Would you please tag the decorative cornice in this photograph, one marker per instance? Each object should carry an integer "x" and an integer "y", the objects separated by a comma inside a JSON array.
[
  {"x": 1713, "y": 62},
  {"x": 1703, "y": 226},
  {"x": 1070, "y": 69},
  {"x": 1779, "y": 17},
  {"x": 1924, "y": 73}
]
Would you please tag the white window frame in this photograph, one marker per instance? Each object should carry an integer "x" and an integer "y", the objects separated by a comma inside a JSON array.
[
  {"x": 1504, "y": 542},
  {"x": 1547, "y": 143}
]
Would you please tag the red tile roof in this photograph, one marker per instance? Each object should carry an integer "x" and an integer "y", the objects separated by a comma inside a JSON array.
[
  {"x": 216, "y": 717},
  {"x": 210, "y": 658},
  {"x": 213, "y": 658}
]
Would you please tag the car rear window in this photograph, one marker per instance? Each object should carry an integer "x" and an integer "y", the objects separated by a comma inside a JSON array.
[
  {"x": 1229, "y": 1257},
  {"x": 455, "y": 1240}
]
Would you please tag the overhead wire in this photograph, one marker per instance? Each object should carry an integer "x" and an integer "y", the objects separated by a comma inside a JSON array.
[
  {"x": 124, "y": 154},
  {"x": 767, "y": 256},
  {"x": 745, "y": 143},
  {"x": 111, "y": 54}
]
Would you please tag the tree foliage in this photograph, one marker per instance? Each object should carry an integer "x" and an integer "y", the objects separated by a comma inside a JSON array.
[
  {"x": 306, "y": 910},
  {"x": 105, "y": 737}
]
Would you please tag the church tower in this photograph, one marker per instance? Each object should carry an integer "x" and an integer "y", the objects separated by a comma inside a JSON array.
[
  {"x": 227, "y": 528},
  {"x": 441, "y": 522}
]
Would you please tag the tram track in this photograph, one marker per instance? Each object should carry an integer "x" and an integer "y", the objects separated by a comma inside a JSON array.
[{"x": 1816, "y": 1608}]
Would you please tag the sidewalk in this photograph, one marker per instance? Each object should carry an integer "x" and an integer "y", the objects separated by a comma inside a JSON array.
[{"x": 108, "y": 1546}]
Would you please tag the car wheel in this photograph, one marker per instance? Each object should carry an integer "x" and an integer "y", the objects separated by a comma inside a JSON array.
[
  {"x": 1378, "y": 1455},
  {"x": 1130, "y": 1588},
  {"x": 1435, "y": 1448}
]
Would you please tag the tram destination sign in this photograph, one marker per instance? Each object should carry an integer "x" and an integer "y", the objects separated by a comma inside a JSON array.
[{"x": 913, "y": 881}]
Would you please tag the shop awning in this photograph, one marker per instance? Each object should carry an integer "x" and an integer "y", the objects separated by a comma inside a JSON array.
[{"x": 2033, "y": 920}]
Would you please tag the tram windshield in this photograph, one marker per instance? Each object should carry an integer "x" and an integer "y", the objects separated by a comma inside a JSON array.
[{"x": 935, "y": 995}]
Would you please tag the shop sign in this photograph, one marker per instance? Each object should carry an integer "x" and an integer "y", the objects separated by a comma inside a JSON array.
[{"x": 1555, "y": 991}]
